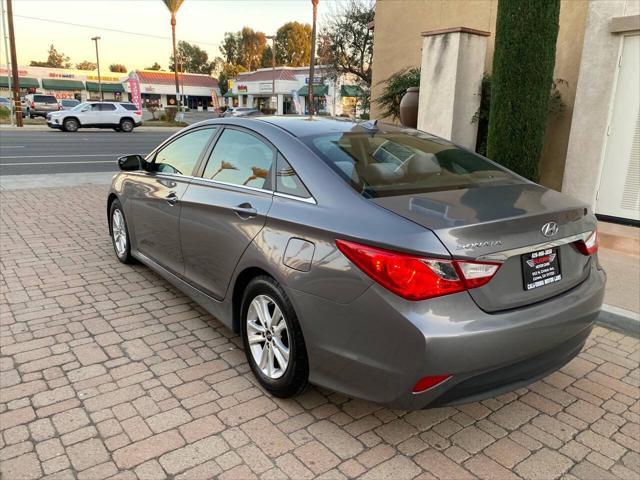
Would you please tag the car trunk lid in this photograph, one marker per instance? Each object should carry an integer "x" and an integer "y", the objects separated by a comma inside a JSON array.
[{"x": 502, "y": 223}]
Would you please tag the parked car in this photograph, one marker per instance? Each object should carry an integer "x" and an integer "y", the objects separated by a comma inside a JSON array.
[
  {"x": 39, "y": 105},
  {"x": 241, "y": 112},
  {"x": 122, "y": 117},
  {"x": 68, "y": 104},
  {"x": 6, "y": 103},
  {"x": 373, "y": 260}
]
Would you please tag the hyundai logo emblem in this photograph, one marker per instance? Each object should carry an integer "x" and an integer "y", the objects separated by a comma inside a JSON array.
[{"x": 549, "y": 229}]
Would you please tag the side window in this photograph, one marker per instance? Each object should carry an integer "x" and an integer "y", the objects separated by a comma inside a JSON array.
[
  {"x": 95, "y": 107},
  {"x": 181, "y": 155},
  {"x": 107, "y": 107},
  {"x": 287, "y": 180},
  {"x": 241, "y": 159}
]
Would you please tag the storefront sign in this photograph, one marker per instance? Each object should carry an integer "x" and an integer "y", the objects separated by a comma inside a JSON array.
[
  {"x": 265, "y": 88},
  {"x": 316, "y": 80},
  {"x": 134, "y": 88},
  {"x": 21, "y": 73},
  {"x": 61, "y": 75},
  {"x": 242, "y": 88},
  {"x": 103, "y": 79}
]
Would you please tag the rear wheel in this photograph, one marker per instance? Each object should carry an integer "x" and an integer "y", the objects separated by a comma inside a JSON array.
[
  {"x": 70, "y": 125},
  {"x": 273, "y": 341},
  {"x": 126, "y": 125}
]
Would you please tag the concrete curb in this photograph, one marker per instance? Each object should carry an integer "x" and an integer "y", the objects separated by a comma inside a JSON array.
[
  {"x": 620, "y": 319},
  {"x": 44, "y": 128}
]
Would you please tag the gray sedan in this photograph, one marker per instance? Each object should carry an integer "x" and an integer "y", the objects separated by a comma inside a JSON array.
[{"x": 377, "y": 261}]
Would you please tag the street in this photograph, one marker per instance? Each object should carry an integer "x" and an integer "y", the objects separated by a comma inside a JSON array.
[{"x": 45, "y": 152}]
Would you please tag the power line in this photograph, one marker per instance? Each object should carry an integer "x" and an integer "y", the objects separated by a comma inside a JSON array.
[{"x": 107, "y": 29}]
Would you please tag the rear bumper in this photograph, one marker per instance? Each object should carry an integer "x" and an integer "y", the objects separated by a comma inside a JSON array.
[{"x": 378, "y": 346}]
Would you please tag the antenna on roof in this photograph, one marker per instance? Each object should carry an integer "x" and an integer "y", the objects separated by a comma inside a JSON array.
[{"x": 370, "y": 124}]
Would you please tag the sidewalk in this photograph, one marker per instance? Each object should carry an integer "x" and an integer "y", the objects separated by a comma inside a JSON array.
[
  {"x": 619, "y": 254},
  {"x": 110, "y": 372}
]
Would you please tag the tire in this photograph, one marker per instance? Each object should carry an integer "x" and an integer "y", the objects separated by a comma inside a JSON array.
[
  {"x": 280, "y": 382},
  {"x": 70, "y": 125},
  {"x": 119, "y": 233},
  {"x": 126, "y": 125}
]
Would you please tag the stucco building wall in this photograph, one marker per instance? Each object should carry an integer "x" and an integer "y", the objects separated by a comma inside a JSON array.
[{"x": 398, "y": 43}]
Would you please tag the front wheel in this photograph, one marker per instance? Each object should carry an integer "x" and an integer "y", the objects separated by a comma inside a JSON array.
[
  {"x": 70, "y": 125},
  {"x": 120, "y": 233},
  {"x": 126, "y": 125},
  {"x": 273, "y": 341}
]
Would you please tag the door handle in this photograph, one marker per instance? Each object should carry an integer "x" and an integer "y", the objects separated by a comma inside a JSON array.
[
  {"x": 172, "y": 198},
  {"x": 245, "y": 211}
]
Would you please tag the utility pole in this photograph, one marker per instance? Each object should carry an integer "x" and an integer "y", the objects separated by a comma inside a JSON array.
[
  {"x": 6, "y": 52},
  {"x": 95, "y": 39},
  {"x": 313, "y": 57},
  {"x": 273, "y": 68},
  {"x": 14, "y": 62}
]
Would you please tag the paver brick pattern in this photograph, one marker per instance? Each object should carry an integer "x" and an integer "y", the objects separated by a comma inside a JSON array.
[{"x": 110, "y": 372}]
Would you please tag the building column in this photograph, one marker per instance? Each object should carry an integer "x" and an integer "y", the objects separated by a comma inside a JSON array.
[
  {"x": 303, "y": 101},
  {"x": 250, "y": 101},
  {"x": 450, "y": 82},
  {"x": 280, "y": 110}
]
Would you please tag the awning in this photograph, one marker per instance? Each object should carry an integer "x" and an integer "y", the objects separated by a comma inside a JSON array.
[
  {"x": 230, "y": 94},
  {"x": 106, "y": 87},
  {"x": 24, "y": 82},
  {"x": 58, "y": 84},
  {"x": 318, "y": 90},
  {"x": 351, "y": 91}
]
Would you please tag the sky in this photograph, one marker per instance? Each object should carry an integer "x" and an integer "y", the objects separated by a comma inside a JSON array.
[{"x": 203, "y": 22}]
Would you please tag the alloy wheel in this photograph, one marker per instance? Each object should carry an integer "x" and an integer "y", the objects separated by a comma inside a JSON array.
[
  {"x": 268, "y": 336},
  {"x": 119, "y": 231}
]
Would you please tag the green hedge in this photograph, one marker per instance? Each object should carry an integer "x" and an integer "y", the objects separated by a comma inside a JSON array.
[{"x": 523, "y": 62}]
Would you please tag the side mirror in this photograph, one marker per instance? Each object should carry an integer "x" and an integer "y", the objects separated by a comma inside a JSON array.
[{"x": 130, "y": 163}]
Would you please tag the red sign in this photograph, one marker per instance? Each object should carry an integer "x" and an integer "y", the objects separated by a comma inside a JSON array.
[{"x": 134, "y": 87}]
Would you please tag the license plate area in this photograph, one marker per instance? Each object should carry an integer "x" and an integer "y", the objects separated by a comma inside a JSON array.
[{"x": 541, "y": 268}]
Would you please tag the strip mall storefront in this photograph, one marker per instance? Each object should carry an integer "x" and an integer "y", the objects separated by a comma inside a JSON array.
[
  {"x": 64, "y": 83},
  {"x": 200, "y": 92},
  {"x": 256, "y": 90}
]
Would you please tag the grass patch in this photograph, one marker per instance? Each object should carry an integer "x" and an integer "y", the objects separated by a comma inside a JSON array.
[{"x": 161, "y": 123}]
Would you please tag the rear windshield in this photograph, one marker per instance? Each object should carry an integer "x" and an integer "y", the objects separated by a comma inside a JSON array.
[
  {"x": 384, "y": 163},
  {"x": 129, "y": 106},
  {"x": 44, "y": 99}
]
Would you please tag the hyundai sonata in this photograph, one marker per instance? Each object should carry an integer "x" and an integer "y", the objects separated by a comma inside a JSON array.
[{"x": 381, "y": 262}]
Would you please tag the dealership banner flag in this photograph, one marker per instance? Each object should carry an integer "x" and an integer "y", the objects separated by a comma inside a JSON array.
[
  {"x": 296, "y": 101},
  {"x": 134, "y": 88}
]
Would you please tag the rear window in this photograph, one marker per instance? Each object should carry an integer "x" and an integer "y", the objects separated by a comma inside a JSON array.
[
  {"x": 44, "y": 99},
  {"x": 129, "y": 106},
  {"x": 391, "y": 162}
]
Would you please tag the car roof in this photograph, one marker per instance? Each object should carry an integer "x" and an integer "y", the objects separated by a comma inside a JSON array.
[{"x": 304, "y": 125}]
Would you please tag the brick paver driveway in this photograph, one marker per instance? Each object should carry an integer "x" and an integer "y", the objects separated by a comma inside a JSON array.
[{"x": 109, "y": 372}]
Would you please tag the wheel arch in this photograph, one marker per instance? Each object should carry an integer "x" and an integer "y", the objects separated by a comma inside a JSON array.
[
  {"x": 112, "y": 198},
  {"x": 239, "y": 286},
  {"x": 71, "y": 117}
]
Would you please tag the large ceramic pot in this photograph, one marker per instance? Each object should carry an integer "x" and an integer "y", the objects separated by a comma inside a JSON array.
[{"x": 409, "y": 107}]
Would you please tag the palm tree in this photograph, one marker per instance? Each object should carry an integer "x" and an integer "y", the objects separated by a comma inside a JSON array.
[
  {"x": 313, "y": 57},
  {"x": 174, "y": 6}
]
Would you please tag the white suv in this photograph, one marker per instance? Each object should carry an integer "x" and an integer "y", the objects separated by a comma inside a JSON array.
[{"x": 122, "y": 117}]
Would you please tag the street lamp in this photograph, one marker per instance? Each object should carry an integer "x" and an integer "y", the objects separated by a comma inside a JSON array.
[
  {"x": 95, "y": 39},
  {"x": 313, "y": 57},
  {"x": 273, "y": 68}
]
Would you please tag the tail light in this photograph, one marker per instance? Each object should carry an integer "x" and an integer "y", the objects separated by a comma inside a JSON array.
[
  {"x": 425, "y": 383},
  {"x": 138, "y": 112},
  {"x": 590, "y": 245},
  {"x": 417, "y": 278}
]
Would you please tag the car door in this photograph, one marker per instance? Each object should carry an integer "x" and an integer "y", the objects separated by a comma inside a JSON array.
[
  {"x": 108, "y": 114},
  {"x": 157, "y": 195},
  {"x": 225, "y": 207},
  {"x": 89, "y": 115}
]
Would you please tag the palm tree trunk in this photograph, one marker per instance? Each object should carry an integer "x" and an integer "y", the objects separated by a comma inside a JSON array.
[{"x": 175, "y": 57}]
